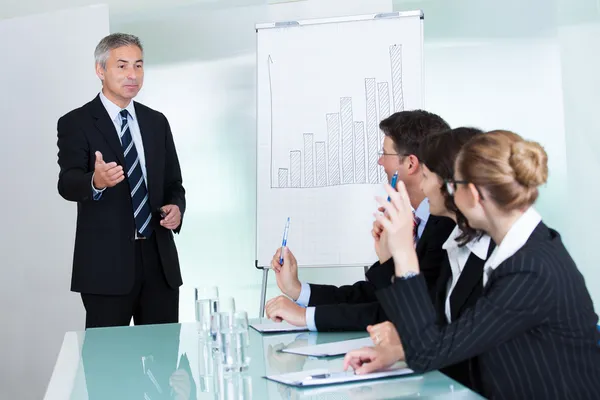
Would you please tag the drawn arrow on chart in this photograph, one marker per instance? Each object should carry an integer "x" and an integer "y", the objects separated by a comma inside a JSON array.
[{"x": 269, "y": 62}]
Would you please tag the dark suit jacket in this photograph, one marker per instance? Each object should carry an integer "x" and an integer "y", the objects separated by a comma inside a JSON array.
[
  {"x": 533, "y": 330},
  {"x": 467, "y": 291},
  {"x": 103, "y": 261},
  {"x": 354, "y": 307}
]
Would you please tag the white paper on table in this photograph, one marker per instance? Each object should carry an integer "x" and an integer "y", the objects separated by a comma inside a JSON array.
[
  {"x": 372, "y": 389},
  {"x": 275, "y": 327},
  {"x": 306, "y": 378},
  {"x": 331, "y": 349}
]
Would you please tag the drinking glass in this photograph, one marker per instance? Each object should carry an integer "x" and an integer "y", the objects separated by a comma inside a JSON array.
[
  {"x": 234, "y": 341},
  {"x": 227, "y": 306},
  {"x": 207, "y": 303}
]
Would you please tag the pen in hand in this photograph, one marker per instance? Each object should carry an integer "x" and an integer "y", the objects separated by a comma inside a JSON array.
[
  {"x": 284, "y": 241},
  {"x": 393, "y": 183}
]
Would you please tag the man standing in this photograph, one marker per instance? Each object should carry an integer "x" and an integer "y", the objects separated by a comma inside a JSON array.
[{"x": 118, "y": 161}]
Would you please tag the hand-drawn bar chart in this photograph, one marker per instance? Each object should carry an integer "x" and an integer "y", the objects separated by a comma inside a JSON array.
[{"x": 349, "y": 154}]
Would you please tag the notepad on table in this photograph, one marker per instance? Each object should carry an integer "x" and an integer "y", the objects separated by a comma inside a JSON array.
[
  {"x": 331, "y": 349},
  {"x": 319, "y": 377},
  {"x": 277, "y": 327}
]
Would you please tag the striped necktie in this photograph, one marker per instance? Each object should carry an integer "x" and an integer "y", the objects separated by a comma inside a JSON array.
[
  {"x": 416, "y": 222},
  {"x": 139, "y": 194}
]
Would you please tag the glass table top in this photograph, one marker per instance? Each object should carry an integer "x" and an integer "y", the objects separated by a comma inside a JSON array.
[{"x": 173, "y": 361}]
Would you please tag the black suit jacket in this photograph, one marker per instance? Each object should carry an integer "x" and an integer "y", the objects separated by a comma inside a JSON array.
[
  {"x": 467, "y": 291},
  {"x": 103, "y": 261},
  {"x": 354, "y": 307},
  {"x": 533, "y": 329}
]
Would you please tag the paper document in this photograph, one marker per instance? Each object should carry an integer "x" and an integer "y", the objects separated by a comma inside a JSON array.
[
  {"x": 319, "y": 377},
  {"x": 331, "y": 349},
  {"x": 274, "y": 327}
]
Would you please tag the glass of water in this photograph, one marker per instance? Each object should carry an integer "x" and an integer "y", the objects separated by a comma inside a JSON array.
[
  {"x": 226, "y": 306},
  {"x": 234, "y": 341},
  {"x": 207, "y": 303}
]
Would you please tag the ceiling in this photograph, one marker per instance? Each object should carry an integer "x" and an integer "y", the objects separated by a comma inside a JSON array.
[
  {"x": 537, "y": 15},
  {"x": 16, "y": 8}
]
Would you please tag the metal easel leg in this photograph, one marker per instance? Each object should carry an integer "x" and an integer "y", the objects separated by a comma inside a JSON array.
[{"x": 263, "y": 293}]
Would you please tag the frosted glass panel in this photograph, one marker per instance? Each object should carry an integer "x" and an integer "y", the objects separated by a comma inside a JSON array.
[
  {"x": 579, "y": 34},
  {"x": 47, "y": 71}
]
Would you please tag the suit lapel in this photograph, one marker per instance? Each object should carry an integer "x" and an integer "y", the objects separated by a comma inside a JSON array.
[
  {"x": 107, "y": 128},
  {"x": 148, "y": 137},
  {"x": 429, "y": 227},
  {"x": 442, "y": 290},
  {"x": 469, "y": 283}
]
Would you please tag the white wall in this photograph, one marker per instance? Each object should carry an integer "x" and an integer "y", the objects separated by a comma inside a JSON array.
[
  {"x": 506, "y": 84},
  {"x": 47, "y": 69},
  {"x": 581, "y": 80}
]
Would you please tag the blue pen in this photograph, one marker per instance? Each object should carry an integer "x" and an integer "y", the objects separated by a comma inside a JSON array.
[
  {"x": 284, "y": 241},
  {"x": 394, "y": 181}
]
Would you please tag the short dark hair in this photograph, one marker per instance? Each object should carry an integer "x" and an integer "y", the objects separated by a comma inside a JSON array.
[
  {"x": 408, "y": 128},
  {"x": 439, "y": 152}
]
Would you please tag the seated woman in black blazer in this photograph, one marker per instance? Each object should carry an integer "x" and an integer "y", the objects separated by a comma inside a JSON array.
[
  {"x": 533, "y": 330},
  {"x": 461, "y": 278}
]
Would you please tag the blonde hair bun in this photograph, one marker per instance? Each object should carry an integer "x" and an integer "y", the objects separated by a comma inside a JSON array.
[{"x": 529, "y": 162}]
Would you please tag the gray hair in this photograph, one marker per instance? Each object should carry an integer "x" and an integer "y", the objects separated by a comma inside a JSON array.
[{"x": 113, "y": 41}]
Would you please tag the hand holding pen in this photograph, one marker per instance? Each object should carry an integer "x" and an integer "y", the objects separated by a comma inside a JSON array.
[
  {"x": 393, "y": 183},
  {"x": 286, "y": 268}
]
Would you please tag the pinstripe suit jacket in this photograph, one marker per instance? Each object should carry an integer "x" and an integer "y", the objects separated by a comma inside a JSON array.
[{"x": 533, "y": 330}]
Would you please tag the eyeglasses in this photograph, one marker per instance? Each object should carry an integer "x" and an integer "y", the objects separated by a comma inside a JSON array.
[
  {"x": 382, "y": 153},
  {"x": 451, "y": 186}
]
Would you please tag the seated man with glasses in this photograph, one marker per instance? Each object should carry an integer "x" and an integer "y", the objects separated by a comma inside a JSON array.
[{"x": 354, "y": 307}]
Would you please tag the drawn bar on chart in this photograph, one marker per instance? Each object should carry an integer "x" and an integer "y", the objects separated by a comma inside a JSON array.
[
  {"x": 396, "y": 61},
  {"x": 372, "y": 135},
  {"x": 321, "y": 172},
  {"x": 295, "y": 171},
  {"x": 383, "y": 92},
  {"x": 309, "y": 176},
  {"x": 283, "y": 177},
  {"x": 347, "y": 159},
  {"x": 359, "y": 152},
  {"x": 333, "y": 148}
]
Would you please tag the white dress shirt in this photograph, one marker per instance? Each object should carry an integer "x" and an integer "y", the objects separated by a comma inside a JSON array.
[
  {"x": 113, "y": 111},
  {"x": 515, "y": 238},
  {"x": 422, "y": 212},
  {"x": 458, "y": 257}
]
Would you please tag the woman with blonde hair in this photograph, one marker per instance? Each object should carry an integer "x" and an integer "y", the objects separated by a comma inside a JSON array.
[{"x": 533, "y": 329}]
